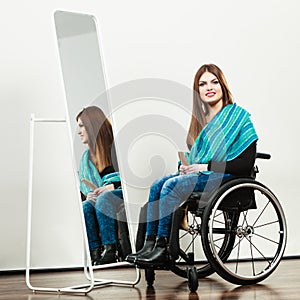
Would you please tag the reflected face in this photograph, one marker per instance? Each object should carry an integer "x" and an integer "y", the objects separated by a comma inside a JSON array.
[
  {"x": 82, "y": 132},
  {"x": 210, "y": 89}
]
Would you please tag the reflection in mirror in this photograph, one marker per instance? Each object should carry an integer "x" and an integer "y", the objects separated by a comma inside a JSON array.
[
  {"x": 94, "y": 150},
  {"x": 100, "y": 185}
]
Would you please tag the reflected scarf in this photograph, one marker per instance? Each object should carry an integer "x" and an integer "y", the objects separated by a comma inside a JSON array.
[
  {"x": 224, "y": 138},
  {"x": 87, "y": 170}
]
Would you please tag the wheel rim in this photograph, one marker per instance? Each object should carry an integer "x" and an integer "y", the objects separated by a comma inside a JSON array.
[{"x": 260, "y": 237}]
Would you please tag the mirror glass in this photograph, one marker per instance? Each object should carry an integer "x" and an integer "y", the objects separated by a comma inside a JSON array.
[{"x": 90, "y": 121}]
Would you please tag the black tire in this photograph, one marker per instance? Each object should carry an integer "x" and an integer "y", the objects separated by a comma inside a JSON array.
[
  {"x": 149, "y": 277},
  {"x": 258, "y": 236},
  {"x": 192, "y": 276}
]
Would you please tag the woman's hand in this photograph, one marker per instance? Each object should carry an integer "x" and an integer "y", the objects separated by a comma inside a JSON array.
[
  {"x": 91, "y": 196},
  {"x": 195, "y": 168},
  {"x": 98, "y": 191}
]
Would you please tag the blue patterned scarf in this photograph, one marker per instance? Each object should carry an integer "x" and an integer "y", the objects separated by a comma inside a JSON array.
[
  {"x": 224, "y": 138},
  {"x": 87, "y": 170}
]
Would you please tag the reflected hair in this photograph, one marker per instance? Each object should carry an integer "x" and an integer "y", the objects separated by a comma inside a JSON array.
[
  {"x": 100, "y": 135},
  {"x": 200, "y": 108}
]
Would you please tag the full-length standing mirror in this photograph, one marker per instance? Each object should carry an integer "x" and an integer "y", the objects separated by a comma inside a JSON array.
[
  {"x": 81, "y": 65},
  {"x": 91, "y": 125}
]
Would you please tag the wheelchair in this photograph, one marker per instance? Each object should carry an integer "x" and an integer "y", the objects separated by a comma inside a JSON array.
[{"x": 239, "y": 229}]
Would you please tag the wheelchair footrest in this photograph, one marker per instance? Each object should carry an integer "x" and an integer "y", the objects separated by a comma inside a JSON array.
[{"x": 164, "y": 266}]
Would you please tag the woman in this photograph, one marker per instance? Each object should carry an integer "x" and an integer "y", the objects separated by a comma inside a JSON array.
[
  {"x": 222, "y": 142},
  {"x": 99, "y": 184}
]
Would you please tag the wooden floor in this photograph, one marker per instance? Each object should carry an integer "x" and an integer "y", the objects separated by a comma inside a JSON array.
[{"x": 284, "y": 283}]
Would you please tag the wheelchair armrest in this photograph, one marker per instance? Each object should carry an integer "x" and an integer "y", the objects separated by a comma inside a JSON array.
[{"x": 263, "y": 155}]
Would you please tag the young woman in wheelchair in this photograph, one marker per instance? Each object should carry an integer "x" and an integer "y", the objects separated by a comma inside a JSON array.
[
  {"x": 222, "y": 143},
  {"x": 100, "y": 185}
]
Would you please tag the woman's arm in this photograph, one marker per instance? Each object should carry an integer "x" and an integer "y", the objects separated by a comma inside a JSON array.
[
  {"x": 194, "y": 168},
  {"x": 242, "y": 165},
  {"x": 108, "y": 170}
]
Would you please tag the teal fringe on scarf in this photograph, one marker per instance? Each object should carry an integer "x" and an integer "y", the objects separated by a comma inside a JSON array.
[
  {"x": 224, "y": 138},
  {"x": 87, "y": 170}
]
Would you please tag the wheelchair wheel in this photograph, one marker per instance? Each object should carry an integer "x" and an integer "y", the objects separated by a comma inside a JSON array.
[
  {"x": 257, "y": 230},
  {"x": 191, "y": 246},
  {"x": 192, "y": 276},
  {"x": 149, "y": 276}
]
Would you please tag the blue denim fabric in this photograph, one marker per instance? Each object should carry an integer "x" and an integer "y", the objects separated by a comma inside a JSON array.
[
  {"x": 169, "y": 191},
  {"x": 91, "y": 224},
  {"x": 100, "y": 218}
]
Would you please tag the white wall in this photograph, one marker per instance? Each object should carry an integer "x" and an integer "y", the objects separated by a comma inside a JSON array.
[{"x": 255, "y": 43}]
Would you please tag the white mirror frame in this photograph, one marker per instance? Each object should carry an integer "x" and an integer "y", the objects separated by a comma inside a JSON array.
[{"x": 88, "y": 269}]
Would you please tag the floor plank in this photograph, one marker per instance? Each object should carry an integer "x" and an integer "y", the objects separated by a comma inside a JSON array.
[{"x": 283, "y": 284}]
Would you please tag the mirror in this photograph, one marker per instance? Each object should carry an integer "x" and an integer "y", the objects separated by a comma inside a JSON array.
[{"x": 90, "y": 122}]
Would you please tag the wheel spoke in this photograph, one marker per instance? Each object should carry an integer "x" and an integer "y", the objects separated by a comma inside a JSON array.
[
  {"x": 192, "y": 242},
  {"x": 219, "y": 214},
  {"x": 238, "y": 242},
  {"x": 251, "y": 250},
  {"x": 261, "y": 213},
  {"x": 237, "y": 256},
  {"x": 263, "y": 237},
  {"x": 183, "y": 235},
  {"x": 219, "y": 239},
  {"x": 245, "y": 218},
  {"x": 258, "y": 250},
  {"x": 266, "y": 224},
  {"x": 219, "y": 220}
]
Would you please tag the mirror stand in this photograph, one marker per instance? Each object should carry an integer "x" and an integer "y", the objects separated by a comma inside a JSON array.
[{"x": 89, "y": 270}]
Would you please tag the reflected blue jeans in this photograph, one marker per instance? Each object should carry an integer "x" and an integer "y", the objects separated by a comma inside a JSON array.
[
  {"x": 169, "y": 191},
  {"x": 100, "y": 218}
]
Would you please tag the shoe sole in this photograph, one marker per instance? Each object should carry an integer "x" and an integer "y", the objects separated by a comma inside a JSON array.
[{"x": 159, "y": 266}]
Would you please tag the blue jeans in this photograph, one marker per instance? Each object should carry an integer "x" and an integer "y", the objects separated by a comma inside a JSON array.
[
  {"x": 100, "y": 218},
  {"x": 169, "y": 191}
]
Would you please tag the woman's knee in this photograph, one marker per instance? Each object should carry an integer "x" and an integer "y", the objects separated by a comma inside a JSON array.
[
  {"x": 157, "y": 185},
  {"x": 87, "y": 206},
  {"x": 108, "y": 201},
  {"x": 171, "y": 184},
  {"x": 179, "y": 186},
  {"x": 102, "y": 201}
]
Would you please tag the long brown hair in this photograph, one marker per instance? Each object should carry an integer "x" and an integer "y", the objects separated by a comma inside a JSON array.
[
  {"x": 200, "y": 108},
  {"x": 100, "y": 135}
]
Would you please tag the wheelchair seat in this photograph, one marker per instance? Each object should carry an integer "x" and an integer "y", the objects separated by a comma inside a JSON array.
[{"x": 239, "y": 200}]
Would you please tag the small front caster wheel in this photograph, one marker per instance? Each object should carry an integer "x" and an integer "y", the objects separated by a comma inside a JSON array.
[
  {"x": 192, "y": 276},
  {"x": 149, "y": 276}
]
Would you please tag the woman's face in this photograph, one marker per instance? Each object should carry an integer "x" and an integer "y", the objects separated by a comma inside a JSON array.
[
  {"x": 82, "y": 132},
  {"x": 210, "y": 89}
]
